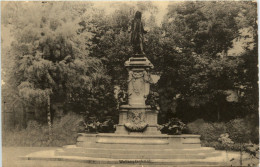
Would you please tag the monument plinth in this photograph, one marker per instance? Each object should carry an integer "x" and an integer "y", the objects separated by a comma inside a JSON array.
[{"x": 137, "y": 117}]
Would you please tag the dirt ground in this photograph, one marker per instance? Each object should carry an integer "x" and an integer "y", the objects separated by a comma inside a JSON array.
[{"x": 10, "y": 158}]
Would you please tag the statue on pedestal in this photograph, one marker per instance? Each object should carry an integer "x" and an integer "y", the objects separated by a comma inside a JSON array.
[
  {"x": 137, "y": 31},
  {"x": 136, "y": 116}
]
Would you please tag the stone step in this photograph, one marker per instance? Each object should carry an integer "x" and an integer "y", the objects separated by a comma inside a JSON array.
[
  {"x": 134, "y": 146},
  {"x": 146, "y": 155},
  {"x": 73, "y": 148},
  {"x": 124, "y": 141},
  {"x": 84, "y": 136},
  {"x": 50, "y": 156},
  {"x": 107, "y": 140}
]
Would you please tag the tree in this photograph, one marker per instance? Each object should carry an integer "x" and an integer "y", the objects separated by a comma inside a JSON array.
[
  {"x": 194, "y": 62},
  {"x": 77, "y": 57},
  {"x": 52, "y": 62},
  {"x": 239, "y": 133}
]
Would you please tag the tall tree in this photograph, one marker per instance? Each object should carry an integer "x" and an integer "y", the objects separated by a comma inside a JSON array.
[
  {"x": 52, "y": 62},
  {"x": 194, "y": 63}
]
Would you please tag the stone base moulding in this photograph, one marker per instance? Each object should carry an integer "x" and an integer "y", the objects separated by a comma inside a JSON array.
[{"x": 137, "y": 119}]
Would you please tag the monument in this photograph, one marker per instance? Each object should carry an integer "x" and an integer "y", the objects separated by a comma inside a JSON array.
[{"x": 137, "y": 138}]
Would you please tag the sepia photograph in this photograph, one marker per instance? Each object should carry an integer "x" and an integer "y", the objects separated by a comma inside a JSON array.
[{"x": 129, "y": 83}]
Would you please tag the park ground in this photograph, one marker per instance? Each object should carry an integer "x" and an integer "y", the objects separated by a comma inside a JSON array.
[{"x": 10, "y": 158}]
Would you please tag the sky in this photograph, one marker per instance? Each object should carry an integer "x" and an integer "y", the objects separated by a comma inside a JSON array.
[
  {"x": 105, "y": 5},
  {"x": 161, "y": 5}
]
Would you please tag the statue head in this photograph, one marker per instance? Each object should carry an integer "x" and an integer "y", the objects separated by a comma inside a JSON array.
[{"x": 138, "y": 15}]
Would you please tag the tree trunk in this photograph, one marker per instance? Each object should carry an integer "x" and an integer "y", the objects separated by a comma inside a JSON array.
[
  {"x": 227, "y": 160},
  {"x": 241, "y": 155},
  {"x": 218, "y": 115},
  {"x": 14, "y": 122},
  {"x": 49, "y": 116},
  {"x": 3, "y": 117},
  {"x": 24, "y": 122}
]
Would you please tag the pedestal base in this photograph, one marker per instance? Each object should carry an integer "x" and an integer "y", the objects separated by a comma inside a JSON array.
[
  {"x": 137, "y": 140},
  {"x": 137, "y": 116},
  {"x": 136, "y": 149},
  {"x": 149, "y": 130}
]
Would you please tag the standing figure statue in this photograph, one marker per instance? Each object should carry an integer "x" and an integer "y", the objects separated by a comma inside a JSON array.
[{"x": 137, "y": 31}]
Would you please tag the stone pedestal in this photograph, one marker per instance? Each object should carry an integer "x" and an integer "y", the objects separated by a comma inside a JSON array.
[
  {"x": 141, "y": 149},
  {"x": 136, "y": 117}
]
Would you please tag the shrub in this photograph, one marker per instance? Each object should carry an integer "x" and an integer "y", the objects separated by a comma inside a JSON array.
[
  {"x": 64, "y": 131},
  {"x": 239, "y": 130},
  {"x": 194, "y": 127},
  {"x": 209, "y": 132},
  {"x": 93, "y": 125},
  {"x": 173, "y": 127}
]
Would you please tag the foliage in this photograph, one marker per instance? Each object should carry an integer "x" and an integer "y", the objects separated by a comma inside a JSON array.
[
  {"x": 239, "y": 131},
  {"x": 122, "y": 97},
  {"x": 108, "y": 126},
  {"x": 226, "y": 143},
  {"x": 174, "y": 127},
  {"x": 92, "y": 125},
  {"x": 253, "y": 150},
  {"x": 194, "y": 64},
  {"x": 209, "y": 131},
  {"x": 225, "y": 140},
  {"x": 36, "y": 135},
  {"x": 219, "y": 146},
  {"x": 224, "y": 136},
  {"x": 153, "y": 100},
  {"x": 51, "y": 52},
  {"x": 74, "y": 52}
]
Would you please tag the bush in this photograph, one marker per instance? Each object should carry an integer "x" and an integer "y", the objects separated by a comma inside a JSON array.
[
  {"x": 194, "y": 127},
  {"x": 64, "y": 131},
  {"x": 220, "y": 146},
  {"x": 209, "y": 132},
  {"x": 238, "y": 130},
  {"x": 173, "y": 127}
]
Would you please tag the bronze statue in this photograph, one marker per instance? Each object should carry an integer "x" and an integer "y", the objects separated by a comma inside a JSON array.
[{"x": 137, "y": 32}]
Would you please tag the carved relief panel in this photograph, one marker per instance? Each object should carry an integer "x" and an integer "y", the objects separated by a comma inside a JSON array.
[{"x": 138, "y": 86}]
